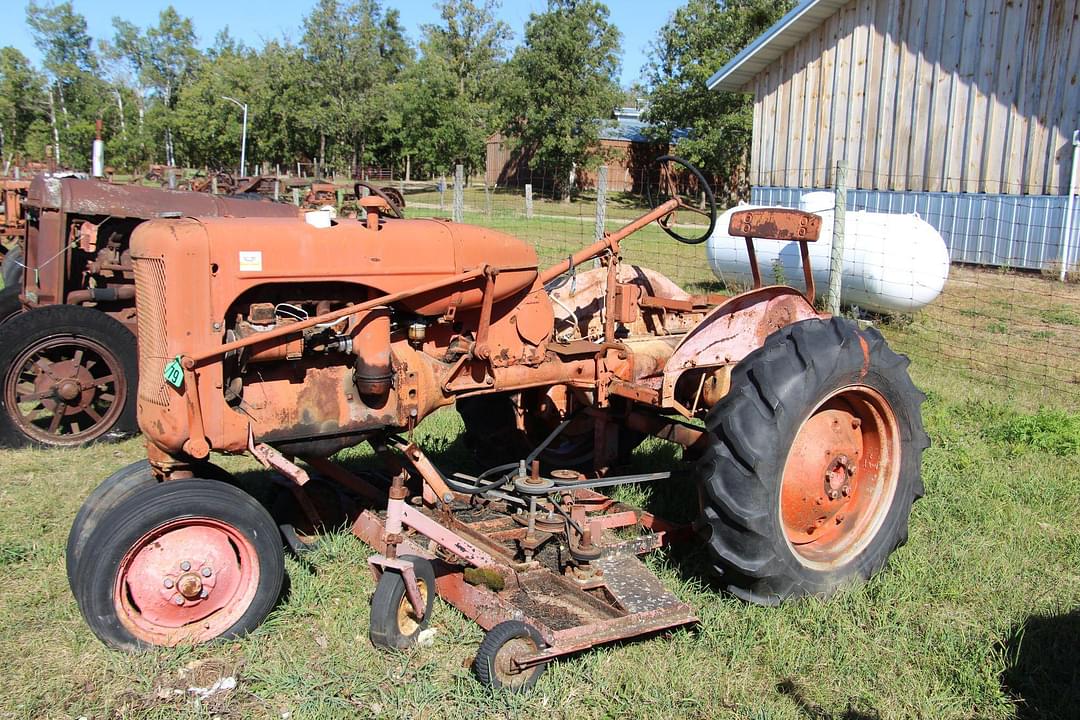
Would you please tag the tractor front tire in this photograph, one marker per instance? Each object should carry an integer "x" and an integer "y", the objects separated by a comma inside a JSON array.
[
  {"x": 180, "y": 562},
  {"x": 813, "y": 463}
]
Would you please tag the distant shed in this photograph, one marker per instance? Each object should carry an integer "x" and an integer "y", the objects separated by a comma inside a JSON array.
[
  {"x": 962, "y": 110},
  {"x": 625, "y": 144}
]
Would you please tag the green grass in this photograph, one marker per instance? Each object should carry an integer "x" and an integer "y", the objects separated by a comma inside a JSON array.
[{"x": 968, "y": 614}]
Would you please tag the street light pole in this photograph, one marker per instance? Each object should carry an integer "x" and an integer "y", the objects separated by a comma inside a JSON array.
[{"x": 243, "y": 134}]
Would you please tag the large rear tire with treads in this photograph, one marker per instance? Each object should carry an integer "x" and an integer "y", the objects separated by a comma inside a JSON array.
[{"x": 812, "y": 463}]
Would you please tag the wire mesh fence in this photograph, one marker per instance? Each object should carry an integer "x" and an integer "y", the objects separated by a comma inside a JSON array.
[{"x": 969, "y": 283}]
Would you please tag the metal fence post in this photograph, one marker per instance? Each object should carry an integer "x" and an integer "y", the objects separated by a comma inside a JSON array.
[
  {"x": 836, "y": 261},
  {"x": 1066, "y": 236},
  {"x": 487, "y": 198},
  {"x": 442, "y": 192},
  {"x": 459, "y": 193},
  {"x": 277, "y": 189},
  {"x": 601, "y": 201},
  {"x": 296, "y": 197},
  {"x": 528, "y": 201}
]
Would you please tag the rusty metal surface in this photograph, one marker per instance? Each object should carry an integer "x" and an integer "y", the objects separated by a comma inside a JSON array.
[
  {"x": 96, "y": 198},
  {"x": 775, "y": 224}
]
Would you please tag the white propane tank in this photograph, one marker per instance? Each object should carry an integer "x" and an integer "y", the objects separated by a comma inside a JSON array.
[{"x": 892, "y": 263}]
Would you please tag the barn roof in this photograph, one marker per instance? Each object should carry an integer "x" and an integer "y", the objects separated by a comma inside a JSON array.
[{"x": 774, "y": 42}]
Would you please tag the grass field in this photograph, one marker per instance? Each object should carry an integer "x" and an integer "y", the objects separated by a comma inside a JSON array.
[{"x": 978, "y": 616}]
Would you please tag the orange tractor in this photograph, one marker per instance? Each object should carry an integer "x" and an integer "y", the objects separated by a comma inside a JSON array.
[{"x": 289, "y": 341}]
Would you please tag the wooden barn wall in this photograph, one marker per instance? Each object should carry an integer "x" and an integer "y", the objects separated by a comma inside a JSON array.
[{"x": 925, "y": 95}]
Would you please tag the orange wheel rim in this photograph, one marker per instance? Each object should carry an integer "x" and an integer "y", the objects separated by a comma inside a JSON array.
[
  {"x": 188, "y": 580},
  {"x": 840, "y": 477}
]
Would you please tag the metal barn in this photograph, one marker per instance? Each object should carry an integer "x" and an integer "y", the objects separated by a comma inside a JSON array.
[{"x": 964, "y": 111}]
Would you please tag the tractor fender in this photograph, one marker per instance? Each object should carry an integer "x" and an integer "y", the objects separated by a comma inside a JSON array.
[{"x": 734, "y": 329}]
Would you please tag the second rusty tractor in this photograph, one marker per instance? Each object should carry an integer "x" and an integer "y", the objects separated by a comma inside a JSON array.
[{"x": 291, "y": 342}]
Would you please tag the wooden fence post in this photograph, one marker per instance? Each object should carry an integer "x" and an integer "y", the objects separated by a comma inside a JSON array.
[
  {"x": 459, "y": 193},
  {"x": 836, "y": 260}
]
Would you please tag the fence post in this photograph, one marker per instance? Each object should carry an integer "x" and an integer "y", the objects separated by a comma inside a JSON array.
[
  {"x": 601, "y": 201},
  {"x": 836, "y": 261},
  {"x": 213, "y": 185},
  {"x": 277, "y": 189},
  {"x": 1066, "y": 238},
  {"x": 459, "y": 193},
  {"x": 296, "y": 197},
  {"x": 442, "y": 192},
  {"x": 487, "y": 198},
  {"x": 528, "y": 201}
]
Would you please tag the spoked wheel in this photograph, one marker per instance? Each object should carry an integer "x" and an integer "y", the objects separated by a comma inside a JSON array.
[
  {"x": 667, "y": 223},
  {"x": 68, "y": 376},
  {"x": 394, "y": 622},
  {"x": 813, "y": 462},
  {"x": 180, "y": 562},
  {"x": 496, "y": 658}
]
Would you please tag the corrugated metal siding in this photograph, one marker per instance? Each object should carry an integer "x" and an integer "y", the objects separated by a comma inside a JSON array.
[
  {"x": 999, "y": 230},
  {"x": 974, "y": 96}
]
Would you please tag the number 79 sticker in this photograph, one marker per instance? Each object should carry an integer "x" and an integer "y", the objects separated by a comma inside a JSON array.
[{"x": 174, "y": 373}]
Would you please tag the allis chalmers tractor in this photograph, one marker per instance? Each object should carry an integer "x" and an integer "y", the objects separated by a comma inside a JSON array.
[
  {"x": 68, "y": 368},
  {"x": 290, "y": 342}
]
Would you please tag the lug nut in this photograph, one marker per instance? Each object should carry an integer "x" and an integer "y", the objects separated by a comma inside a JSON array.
[
  {"x": 206, "y": 572},
  {"x": 178, "y": 599},
  {"x": 168, "y": 582},
  {"x": 204, "y": 594},
  {"x": 185, "y": 566}
]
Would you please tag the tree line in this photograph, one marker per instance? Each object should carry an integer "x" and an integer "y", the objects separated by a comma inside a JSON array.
[{"x": 354, "y": 91}]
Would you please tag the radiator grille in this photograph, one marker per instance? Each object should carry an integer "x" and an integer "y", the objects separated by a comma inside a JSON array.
[{"x": 150, "y": 306}]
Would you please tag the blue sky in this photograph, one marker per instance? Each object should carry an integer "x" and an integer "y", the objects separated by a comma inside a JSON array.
[{"x": 255, "y": 22}]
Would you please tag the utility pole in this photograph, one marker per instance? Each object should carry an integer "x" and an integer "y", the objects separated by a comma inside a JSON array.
[{"x": 243, "y": 134}]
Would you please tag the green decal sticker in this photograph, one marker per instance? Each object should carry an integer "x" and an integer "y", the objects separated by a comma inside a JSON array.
[{"x": 174, "y": 373}]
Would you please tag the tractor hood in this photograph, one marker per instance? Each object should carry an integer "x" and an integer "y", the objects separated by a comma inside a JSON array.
[{"x": 399, "y": 255}]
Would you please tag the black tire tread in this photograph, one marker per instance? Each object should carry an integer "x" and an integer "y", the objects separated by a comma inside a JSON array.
[
  {"x": 493, "y": 640},
  {"x": 383, "y": 630},
  {"x": 148, "y": 508},
  {"x": 772, "y": 386}
]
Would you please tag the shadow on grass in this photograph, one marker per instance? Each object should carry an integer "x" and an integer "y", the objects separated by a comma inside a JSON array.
[
  {"x": 1042, "y": 675},
  {"x": 792, "y": 690}
]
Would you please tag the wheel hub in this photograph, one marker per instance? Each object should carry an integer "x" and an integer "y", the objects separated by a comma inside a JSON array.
[
  {"x": 188, "y": 576},
  {"x": 839, "y": 476}
]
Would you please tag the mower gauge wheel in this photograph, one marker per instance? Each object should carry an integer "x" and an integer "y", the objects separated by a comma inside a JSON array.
[
  {"x": 496, "y": 658},
  {"x": 667, "y": 222},
  {"x": 394, "y": 625}
]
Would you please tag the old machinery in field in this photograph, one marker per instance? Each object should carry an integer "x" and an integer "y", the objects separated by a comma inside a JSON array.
[
  {"x": 68, "y": 369},
  {"x": 273, "y": 337}
]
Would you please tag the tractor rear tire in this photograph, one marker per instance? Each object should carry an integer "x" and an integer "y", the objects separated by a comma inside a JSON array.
[
  {"x": 181, "y": 562},
  {"x": 68, "y": 377},
  {"x": 10, "y": 305},
  {"x": 813, "y": 463}
]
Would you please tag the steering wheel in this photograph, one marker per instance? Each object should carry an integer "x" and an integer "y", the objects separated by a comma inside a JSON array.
[
  {"x": 668, "y": 221},
  {"x": 395, "y": 209}
]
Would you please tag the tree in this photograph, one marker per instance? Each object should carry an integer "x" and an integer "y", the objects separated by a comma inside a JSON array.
[
  {"x": 353, "y": 53},
  {"x": 164, "y": 58},
  {"x": 21, "y": 97},
  {"x": 699, "y": 39},
  {"x": 68, "y": 56},
  {"x": 561, "y": 87},
  {"x": 449, "y": 95}
]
